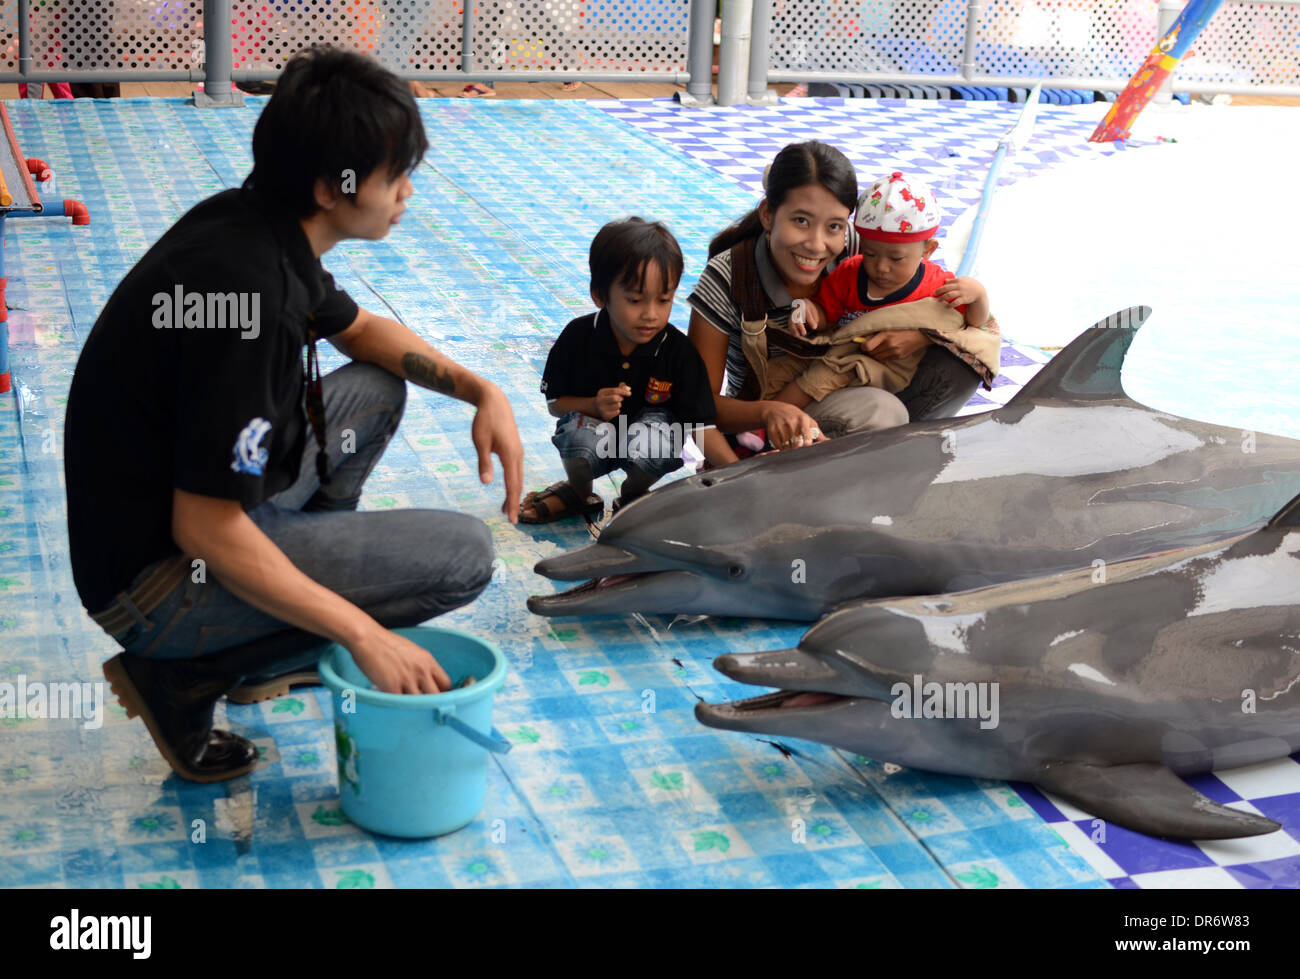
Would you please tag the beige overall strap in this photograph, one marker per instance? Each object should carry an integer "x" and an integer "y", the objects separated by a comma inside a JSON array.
[{"x": 753, "y": 341}]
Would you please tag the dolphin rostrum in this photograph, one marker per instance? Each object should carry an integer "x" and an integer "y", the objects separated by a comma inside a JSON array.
[
  {"x": 1101, "y": 692},
  {"x": 1069, "y": 472}
]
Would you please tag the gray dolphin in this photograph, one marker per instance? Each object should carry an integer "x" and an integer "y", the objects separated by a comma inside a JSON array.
[
  {"x": 1179, "y": 663},
  {"x": 1069, "y": 472}
]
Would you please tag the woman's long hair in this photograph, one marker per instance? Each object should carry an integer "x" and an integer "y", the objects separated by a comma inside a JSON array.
[{"x": 797, "y": 165}]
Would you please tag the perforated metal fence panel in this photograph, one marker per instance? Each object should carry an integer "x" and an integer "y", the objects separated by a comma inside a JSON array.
[
  {"x": 8, "y": 36},
  {"x": 1065, "y": 38},
  {"x": 910, "y": 37},
  {"x": 425, "y": 35},
  {"x": 83, "y": 35},
  {"x": 1247, "y": 44},
  {"x": 604, "y": 35}
]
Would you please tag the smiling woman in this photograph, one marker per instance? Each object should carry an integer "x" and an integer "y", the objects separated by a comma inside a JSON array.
[{"x": 779, "y": 253}]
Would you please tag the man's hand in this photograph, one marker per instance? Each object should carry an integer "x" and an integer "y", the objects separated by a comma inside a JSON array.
[
  {"x": 250, "y": 565},
  {"x": 609, "y": 401},
  {"x": 394, "y": 664},
  {"x": 889, "y": 344},
  {"x": 789, "y": 427},
  {"x": 494, "y": 433},
  {"x": 378, "y": 340},
  {"x": 961, "y": 292}
]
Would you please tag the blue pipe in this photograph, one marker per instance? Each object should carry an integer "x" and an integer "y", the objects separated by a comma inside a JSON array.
[
  {"x": 1014, "y": 137},
  {"x": 981, "y": 216}
]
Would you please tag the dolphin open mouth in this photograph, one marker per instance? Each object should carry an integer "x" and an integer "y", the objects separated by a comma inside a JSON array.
[
  {"x": 615, "y": 582},
  {"x": 651, "y": 592},
  {"x": 769, "y": 712},
  {"x": 784, "y": 700},
  {"x": 593, "y": 561},
  {"x": 807, "y": 686}
]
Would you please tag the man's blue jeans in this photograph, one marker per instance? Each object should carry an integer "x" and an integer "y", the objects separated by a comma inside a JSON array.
[{"x": 400, "y": 566}]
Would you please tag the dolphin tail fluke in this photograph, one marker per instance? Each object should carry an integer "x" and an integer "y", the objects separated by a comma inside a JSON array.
[
  {"x": 1151, "y": 799},
  {"x": 1089, "y": 368}
]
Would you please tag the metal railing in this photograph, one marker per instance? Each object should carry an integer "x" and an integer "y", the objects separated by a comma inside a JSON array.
[
  {"x": 1249, "y": 48},
  {"x": 419, "y": 40}
]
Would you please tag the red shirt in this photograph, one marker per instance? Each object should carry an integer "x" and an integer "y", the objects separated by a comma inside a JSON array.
[{"x": 844, "y": 290}]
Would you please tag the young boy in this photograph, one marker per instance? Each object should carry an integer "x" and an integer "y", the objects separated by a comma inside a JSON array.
[
  {"x": 625, "y": 383},
  {"x": 897, "y": 219}
]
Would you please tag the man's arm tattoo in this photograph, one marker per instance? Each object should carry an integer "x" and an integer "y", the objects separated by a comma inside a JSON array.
[{"x": 424, "y": 371}]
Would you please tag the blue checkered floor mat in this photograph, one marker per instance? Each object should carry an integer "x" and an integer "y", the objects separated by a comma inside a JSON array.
[
  {"x": 606, "y": 786},
  {"x": 947, "y": 144}
]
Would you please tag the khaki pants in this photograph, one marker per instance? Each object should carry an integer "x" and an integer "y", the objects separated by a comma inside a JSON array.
[{"x": 814, "y": 378}]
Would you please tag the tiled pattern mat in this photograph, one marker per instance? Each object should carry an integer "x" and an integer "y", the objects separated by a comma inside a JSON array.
[
  {"x": 601, "y": 789},
  {"x": 947, "y": 144}
]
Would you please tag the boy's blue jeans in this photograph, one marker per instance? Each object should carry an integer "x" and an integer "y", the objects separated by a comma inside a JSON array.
[
  {"x": 400, "y": 566},
  {"x": 650, "y": 440}
]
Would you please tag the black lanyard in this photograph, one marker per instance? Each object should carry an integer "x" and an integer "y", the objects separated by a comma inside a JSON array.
[{"x": 314, "y": 400}]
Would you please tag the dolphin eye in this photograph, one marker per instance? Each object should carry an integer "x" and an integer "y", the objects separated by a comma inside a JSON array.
[
  {"x": 736, "y": 571},
  {"x": 707, "y": 481}
]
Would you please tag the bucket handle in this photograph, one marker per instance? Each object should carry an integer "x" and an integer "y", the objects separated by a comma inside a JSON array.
[{"x": 496, "y": 743}]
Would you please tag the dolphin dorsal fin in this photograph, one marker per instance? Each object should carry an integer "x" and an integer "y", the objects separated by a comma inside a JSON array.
[
  {"x": 1288, "y": 516},
  {"x": 1150, "y": 799},
  {"x": 1089, "y": 368}
]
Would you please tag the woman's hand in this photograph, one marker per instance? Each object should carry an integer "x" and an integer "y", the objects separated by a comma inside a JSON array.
[
  {"x": 789, "y": 427},
  {"x": 890, "y": 344}
]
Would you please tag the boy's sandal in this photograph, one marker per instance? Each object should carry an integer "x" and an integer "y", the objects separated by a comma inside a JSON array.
[
  {"x": 477, "y": 90},
  {"x": 562, "y": 491}
]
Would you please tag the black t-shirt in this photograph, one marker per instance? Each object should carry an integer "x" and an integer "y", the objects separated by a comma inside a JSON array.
[
  {"x": 192, "y": 379},
  {"x": 666, "y": 373}
]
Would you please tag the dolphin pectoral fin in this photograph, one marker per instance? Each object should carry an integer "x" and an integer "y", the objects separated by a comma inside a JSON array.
[
  {"x": 1150, "y": 799},
  {"x": 1089, "y": 367},
  {"x": 592, "y": 561}
]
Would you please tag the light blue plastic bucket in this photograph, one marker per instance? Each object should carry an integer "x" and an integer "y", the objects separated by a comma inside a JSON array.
[{"x": 415, "y": 765}]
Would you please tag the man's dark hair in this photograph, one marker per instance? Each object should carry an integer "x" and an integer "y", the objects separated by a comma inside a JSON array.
[
  {"x": 622, "y": 249},
  {"x": 332, "y": 111}
]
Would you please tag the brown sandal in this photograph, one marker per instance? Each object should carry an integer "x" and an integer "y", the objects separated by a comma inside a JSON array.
[{"x": 562, "y": 491}]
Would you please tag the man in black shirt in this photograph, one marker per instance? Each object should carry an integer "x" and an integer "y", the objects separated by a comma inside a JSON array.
[{"x": 212, "y": 526}]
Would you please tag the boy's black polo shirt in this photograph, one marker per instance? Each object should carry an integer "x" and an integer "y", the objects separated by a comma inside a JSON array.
[
  {"x": 666, "y": 373},
  {"x": 161, "y": 400}
]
